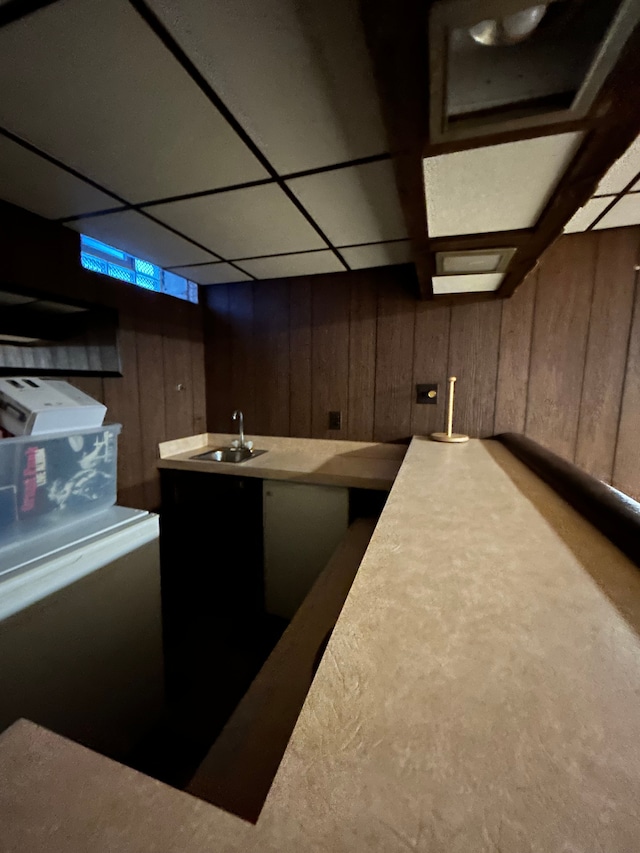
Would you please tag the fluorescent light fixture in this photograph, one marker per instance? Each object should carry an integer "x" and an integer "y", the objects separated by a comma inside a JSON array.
[
  {"x": 466, "y": 283},
  {"x": 473, "y": 261}
]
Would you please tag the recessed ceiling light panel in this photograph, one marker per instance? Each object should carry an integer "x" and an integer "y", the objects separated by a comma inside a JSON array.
[
  {"x": 466, "y": 283},
  {"x": 472, "y": 191},
  {"x": 474, "y": 261}
]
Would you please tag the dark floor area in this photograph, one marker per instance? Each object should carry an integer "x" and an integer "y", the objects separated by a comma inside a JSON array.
[{"x": 209, "y": 667}]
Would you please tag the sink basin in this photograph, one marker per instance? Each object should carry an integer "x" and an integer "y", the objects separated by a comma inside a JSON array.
[{"x": 228, "y": 454}]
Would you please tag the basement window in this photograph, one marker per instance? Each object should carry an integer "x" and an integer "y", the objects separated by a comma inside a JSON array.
[{"x": 107, "y": 260}]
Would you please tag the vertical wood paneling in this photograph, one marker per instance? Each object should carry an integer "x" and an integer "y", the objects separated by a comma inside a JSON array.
[
  {"x": 151, "y": 395},
  {"x": 563, "y": 303},
  {"x": 91, "y": 385},
  {"x": 198, "y": 381},
  {"x": 626, "y": 472},
  {"x": 271, "y": 348},
  {"x": 218, "y": 354},
  {"x": 362, "y": 356},
  {"x": 611, "y": 310},
  {"x": 300, "y": 357},
  {"x": 121, "y": 396},
  {"x": 550, "y": 361},
  {"x": 431, "y": 352},
  {"x": 243, "y": 364},
  {"x": 394, "y": 361},
  {"x": 176, "y": 348},
  {"x": 473, "y": 360},
  {"x": 329, "y": 354},
  {"x": 515, "y": 355}
]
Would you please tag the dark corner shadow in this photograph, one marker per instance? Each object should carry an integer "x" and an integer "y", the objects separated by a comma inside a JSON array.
[
  {"x": 378, "y": 450},
  {"x": 618, "y": 579},
  {"x": 359, "y": 462},
  {"x": 238, "y": 771}
]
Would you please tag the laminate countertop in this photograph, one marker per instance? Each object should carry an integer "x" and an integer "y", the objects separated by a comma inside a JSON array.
[
  {"x": 357, "y": 464},
  {"x": 480, "y": 692}
]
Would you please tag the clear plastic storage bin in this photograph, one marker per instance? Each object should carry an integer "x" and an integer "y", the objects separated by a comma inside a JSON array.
[{"x": 52, "y": 480}]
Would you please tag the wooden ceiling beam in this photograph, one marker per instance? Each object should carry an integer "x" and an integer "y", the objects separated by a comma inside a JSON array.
[
  {"x": 398, "y": 43},
  {"x": 396, "y": 38}
]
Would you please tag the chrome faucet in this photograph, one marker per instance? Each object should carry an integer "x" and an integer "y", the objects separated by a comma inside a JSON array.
[{"x": 238, "y": 416}]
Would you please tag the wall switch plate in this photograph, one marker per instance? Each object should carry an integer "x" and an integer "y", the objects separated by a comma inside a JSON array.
[
  {"x": 335, "y": 420},
  {"x": 427, "y": 394}
]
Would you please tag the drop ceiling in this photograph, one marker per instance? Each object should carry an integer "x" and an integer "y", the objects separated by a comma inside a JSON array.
[
  {"x": 616, "y": 201},
  {"x": 236, "y": 141},
  {"x": 228, "y": 141}
]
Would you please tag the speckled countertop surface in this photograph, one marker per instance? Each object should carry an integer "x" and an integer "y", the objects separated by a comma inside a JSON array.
[
  {"x": 362, "y": 464},
  {"x": 481, "y": 692}
]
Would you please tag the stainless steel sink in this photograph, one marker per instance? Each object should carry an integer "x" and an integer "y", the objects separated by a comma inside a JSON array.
[{"x": 228, "y": 454}]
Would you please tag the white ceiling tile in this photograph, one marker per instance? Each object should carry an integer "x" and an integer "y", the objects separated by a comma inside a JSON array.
[
  {"x": 583, "y": 218},
  {"x": 243, "y": 223},
  {"x": 624, "y": 212},
  {"x": 358, "y": 204},
  {"x": 623, "y": 170},
  {"x": 466, "y": 283},
  {"x": 91, "y": 84},
  {"x": 295, "y": 73},
  {"x": 212, "y": 273},
  {"x": 283, "y": 266},
  {"x": 378, "y": 255},
  {"x": 497, "y": 187},
  {"x": 32, "y": 182},
  {"x": 141, "y": 237}
]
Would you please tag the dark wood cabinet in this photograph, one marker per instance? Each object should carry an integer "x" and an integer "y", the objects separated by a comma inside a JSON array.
[
  {"x": 216, "y": 635},
  {"x": 211, "y": 544}
]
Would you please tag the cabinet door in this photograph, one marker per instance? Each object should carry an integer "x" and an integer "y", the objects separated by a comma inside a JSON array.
[
  {"x": 211, "y": 545},
  {"x": 303, "y": 525}
]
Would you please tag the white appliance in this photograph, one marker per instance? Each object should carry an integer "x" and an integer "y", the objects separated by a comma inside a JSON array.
[
  {"x": 40, "y": 406},
  {"x": 81, "y": 632}
]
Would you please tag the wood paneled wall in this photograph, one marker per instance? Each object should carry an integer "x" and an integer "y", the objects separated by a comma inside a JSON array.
[
  {"x": 560, "y": 361},
  {"x": 161, "y": 394}
]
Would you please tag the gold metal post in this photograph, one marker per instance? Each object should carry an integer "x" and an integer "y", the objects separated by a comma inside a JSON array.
[{"x": 449, "y": 435}]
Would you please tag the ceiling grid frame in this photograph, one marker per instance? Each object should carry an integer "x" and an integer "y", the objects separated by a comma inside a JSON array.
[
  {"x": 14, "y": 10},
  {"x": 198, "y": 78},
  {"x": 17, "y": 9}
]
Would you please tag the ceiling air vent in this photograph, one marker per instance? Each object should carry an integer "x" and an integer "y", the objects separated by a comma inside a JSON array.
[{"x": 499, "y": 65}]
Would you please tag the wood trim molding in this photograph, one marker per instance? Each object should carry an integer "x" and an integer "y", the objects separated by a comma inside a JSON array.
[{"x": 614, "y": 514}]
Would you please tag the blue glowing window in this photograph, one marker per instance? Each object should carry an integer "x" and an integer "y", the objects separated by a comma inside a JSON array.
[
  {"x": 147, "y": 268},
  {"x": 99, "y": 257},
  {"x": 175, "y": 285},
  {"x": 116, "y": 271},
  {"x": 94, "y": 264},
  {"x": 147, "y": 283},
  {"x": 90, "y": 243}
]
